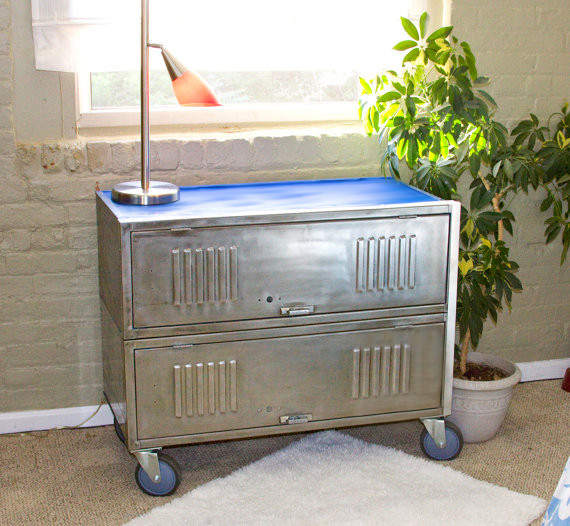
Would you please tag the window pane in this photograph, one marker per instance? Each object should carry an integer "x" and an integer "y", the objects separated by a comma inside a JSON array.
[
  {"x": 121, "y": 89},
  {"x": 255, "y": 51}
]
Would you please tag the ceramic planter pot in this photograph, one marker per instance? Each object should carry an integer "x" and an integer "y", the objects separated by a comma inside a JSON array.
[{"x": 479, "y": 408}]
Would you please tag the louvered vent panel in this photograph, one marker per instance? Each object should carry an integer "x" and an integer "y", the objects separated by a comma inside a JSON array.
[
  {"x": 380, "y": 371},
  {"x": 386, "y": 263},
  {"x": 204, "y": 275},
  {"x": 205, "y": 388}
]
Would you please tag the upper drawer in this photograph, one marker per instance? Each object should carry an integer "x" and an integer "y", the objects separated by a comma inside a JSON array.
[{"x": 264, "y": 271}]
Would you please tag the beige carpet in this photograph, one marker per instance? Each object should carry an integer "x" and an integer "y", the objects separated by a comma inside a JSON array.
[{"x": 86, "y": 476}]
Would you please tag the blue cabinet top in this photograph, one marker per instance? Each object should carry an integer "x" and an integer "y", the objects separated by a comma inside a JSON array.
[{"x": 276, "y": 197}]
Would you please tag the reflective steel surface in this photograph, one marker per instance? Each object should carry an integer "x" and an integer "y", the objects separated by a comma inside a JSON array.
[
  {"x": 239, "y": 273},
  {"x": 244, "y": 310},
  {"x": 157, "y": 193},
  {"x": 281, "y": 197}
]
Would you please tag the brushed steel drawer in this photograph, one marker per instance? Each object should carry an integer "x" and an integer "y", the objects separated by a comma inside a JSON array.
[
  {"x": 225, "y": 386},
  {"x": 266, "y": 271}
]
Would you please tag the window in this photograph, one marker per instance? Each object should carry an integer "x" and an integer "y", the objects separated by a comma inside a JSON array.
[{"x": 266, "y": 61}]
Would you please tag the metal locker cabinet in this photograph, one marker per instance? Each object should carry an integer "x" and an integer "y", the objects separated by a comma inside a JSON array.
[{"x": 265, "y": 308}]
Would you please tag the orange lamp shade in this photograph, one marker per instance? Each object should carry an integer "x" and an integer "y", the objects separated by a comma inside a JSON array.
[
  {"x": 192, "y": 90},
  {"x": 189, "y": 87}
]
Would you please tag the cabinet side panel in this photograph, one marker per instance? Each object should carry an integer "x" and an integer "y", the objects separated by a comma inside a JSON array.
[
  {"x": 113, "y": 366},
  {"x": 110, "y": 265}
]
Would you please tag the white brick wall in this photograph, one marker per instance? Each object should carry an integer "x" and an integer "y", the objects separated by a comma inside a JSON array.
[
  {"x": 49, "y": 329},
  {"x": 49, "y": 324},
  {"x": 524, "y": 46}
]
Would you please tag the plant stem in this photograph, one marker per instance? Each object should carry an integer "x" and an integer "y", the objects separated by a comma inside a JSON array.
[
  {"x": 464, "y": 352},
  {"x": 496, "y": 208}
]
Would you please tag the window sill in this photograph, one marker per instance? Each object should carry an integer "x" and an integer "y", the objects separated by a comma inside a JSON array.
[{"x": 251, "y": 121}]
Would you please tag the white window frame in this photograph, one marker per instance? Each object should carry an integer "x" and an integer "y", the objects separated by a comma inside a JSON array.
[{"x": 259, "y": 114}]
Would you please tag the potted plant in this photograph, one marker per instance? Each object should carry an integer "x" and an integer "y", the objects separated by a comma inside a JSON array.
[{"x": 437, "y": 116}]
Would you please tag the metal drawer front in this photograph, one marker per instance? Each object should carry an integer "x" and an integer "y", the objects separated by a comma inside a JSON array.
[
  {"x": 245, "y": 384},
  {"x": 264, "y": 271}
]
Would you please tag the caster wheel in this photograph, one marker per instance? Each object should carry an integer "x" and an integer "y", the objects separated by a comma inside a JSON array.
[
  {"x": 170, "y": 477},
  {"x": 453, "y": 446},
  {"x": 118, "y": 430}
]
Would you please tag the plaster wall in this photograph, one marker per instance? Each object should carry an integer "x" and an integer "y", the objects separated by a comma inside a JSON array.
[{"x": 49, "y": 325}]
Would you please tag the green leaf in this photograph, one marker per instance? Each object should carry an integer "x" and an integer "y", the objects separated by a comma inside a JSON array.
[
  {"x": 423, "y": 20},
  {"x": 410, "y": 28},
  {"x": 412, "y": 152},
  {"x": 508, "y": 167},
  {"x": 390, "y": 95},
  {"x": 514, "y": 282},
  {"x": 474, "y": 164},
  {"x": 461, "y": 151},
  {"x": 485, "y": 199},
  {"x": 496, "y": 168},
  {"x": 465, "y": 266},
  {"x": 553, "y": 233},
  {"x": 521, "y": 127},
  {"x": 481, "y": 81},
  {"x": 412, "y": 55},
  {"x": 405, "y": 44},
  {"x": 399, "y": 87},
  {"x": 442, "y": 32},
  {"x": 444, "y": 146},
  {"x": 488, "y": 99},
  {"x": 402, "y": 148},
  {"x": 366, "y": 87},
  {"x": 470, "y": 60},
  {"x": 442, "y": 57},
  {"x": 475, "y": 196},
  {"x": 546, "y": 204},
  {"x": 411, "y": 105}
]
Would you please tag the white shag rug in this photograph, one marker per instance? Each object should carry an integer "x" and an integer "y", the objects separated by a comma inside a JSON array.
[{"x": 330, "y": 478}]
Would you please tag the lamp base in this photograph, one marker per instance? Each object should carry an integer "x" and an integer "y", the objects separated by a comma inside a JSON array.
[{"x": 132, "y": 193}]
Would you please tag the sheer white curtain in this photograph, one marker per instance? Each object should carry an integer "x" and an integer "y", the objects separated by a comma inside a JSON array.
[
  {"x": 220, "y": 35},
  {"x": 86, "y": 35}
]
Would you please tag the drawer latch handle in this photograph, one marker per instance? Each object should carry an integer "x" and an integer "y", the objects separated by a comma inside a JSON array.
[
  {"x": 295, "y": 419},
  {"x": 297, "y": 310}
]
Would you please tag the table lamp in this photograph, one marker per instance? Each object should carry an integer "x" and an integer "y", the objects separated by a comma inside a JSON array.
[{"x": 190, "y": 90}]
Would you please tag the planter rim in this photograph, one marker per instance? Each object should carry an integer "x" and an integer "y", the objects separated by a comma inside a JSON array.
[{"x": 491, "y": 385}]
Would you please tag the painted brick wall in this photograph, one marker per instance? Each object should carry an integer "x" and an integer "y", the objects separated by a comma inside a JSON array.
[
  {"x": 524, "y": 46},
  {"x": 49, "y": 324},
  {"x": 49, "y": 331}
]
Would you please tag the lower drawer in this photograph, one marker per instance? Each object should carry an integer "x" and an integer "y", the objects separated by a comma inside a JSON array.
[{"x": 214, "y": 387}]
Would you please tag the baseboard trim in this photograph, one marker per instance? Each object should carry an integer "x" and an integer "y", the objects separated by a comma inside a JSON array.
[
  {"x": 20, "y": 422},
  {"x": 544, "y": 369}
]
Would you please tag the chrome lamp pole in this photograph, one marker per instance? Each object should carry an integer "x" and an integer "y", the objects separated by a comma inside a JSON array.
[{"x": 147, "y": 192}]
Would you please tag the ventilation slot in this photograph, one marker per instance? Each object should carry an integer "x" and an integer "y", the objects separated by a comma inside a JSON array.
[
  {"x": 381, "y": 371},
  {"x": 386, "y": 263},
  {"x": 205, "y": 388},
  {"x": 204, "y": 275}
]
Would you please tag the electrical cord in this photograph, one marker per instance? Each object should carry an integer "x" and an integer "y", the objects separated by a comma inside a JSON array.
[
  {"x": 45, "y": 432},
  {"x": 86, "y": 420}
]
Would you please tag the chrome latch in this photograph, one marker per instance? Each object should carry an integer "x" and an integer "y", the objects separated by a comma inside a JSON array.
[
  {"x": 296, "y": 419},
  {"x": 297, "y": 310}
]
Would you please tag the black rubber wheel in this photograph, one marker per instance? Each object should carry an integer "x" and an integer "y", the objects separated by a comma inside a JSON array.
[
  {"x": 170, "y": 477},
  {"x": 118, "y": 430},
  {"x": 453, "y": 445}
]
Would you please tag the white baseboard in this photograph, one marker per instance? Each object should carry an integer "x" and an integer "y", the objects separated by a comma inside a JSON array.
[
  {"x": 19, "y": 422},
  {"x": 544, "y": 369}
]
